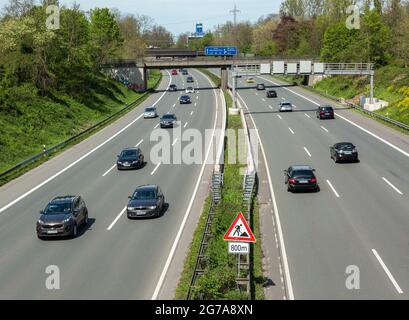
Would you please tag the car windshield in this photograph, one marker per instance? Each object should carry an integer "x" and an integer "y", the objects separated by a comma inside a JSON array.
[
  {"x": 58, "y": 208},
  {"x": 150, "y": 109},
  {"x": 144, "y": 195},
  {"x": 168, "y": 116},
  {"x": 302, "y": 174},
  {"x": 327, "y": 108},
  {"x": 286, "y": 104},
  {"x": 129, "y": 153},
  {"x": 345, "y": 146}
]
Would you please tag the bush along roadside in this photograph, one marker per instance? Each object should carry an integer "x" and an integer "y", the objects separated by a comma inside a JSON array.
[
  {"x": 219, "y": 268},
  {"x": 107, "y": 109}
]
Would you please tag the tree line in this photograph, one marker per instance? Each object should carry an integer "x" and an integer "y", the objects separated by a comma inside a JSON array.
[
  {"x": 37, "y": 59},
  {"x": 319, "y": 29}
]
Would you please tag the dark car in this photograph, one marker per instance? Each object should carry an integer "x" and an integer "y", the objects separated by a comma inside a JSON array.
[
  {"x": 147, "y": 201},
  {"x": 325, "y": 112},
  {"x": 344, "y": 151},
  {"x": 190, "y": 80},
  {"x": 167, "y": 120},
  {"x": 173, "y": 87},
  {"x": 300, "y": 178},
  {"x": 184, "y": 72},
  {"x": 62, "y": 217},
  {"x": 184, "y": 100},
  {"x": 261, "y": 86},
  {"x": 130, "y": 158},
  {"x": 271, "y": 94}
]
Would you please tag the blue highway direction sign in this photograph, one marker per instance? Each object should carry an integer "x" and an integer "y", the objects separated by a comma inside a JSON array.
[{"x": 221, "y": 51}]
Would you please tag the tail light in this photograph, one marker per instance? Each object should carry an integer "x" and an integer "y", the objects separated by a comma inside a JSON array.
[
  {"x": 322, "y": 112},
  {"x": 313, "y": 180},
  {"x": 292, "y": 181}
]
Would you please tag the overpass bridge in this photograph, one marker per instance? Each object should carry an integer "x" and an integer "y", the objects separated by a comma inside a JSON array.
[{"x": 243, "y": 66}]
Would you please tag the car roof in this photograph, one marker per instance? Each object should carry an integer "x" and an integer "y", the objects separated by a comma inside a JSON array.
[
  {"x": 327, "y": 106},
  {"x": 168, "y": 114},
  {"x": 151, "y": 107},
  {"x": 147, "y": 187},
  {"x": 63, "y": 199},
  {"x": 300, "y": 167},
  {"x": 285, "y": 102},
  {"x": 132, "y": 149}
]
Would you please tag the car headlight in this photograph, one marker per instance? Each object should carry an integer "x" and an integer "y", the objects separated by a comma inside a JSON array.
[
  {"x": 131, "y": 208},
  {"x": 152, "y": 207},
  {"x": 354, "y": 151},
  {"x": 136, "y": 161},
  {"x": 119, "y": 162},
  {"x": 66, "y": 220},
  {"x": 40, "y": 222},
  {"x": 341, "y": 151}
]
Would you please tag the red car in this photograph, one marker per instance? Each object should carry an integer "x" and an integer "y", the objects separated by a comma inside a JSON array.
[{"x": 174, "y": 72}]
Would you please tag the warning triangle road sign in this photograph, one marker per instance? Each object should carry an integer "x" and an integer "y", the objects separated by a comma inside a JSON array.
[{"x": 239, "y": 231}]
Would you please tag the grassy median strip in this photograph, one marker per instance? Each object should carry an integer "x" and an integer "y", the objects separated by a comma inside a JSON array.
[
  {"x": 18, "y": 144},
  {"x": 219, "y": 279}
]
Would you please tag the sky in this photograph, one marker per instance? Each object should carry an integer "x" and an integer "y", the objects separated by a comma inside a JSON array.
[{"x": 181, "y": 15}]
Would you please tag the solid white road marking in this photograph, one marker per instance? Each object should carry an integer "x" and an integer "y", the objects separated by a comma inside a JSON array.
[
  {"x": 347, "y": 120},
  {"x": 174, "y": 142},
  {"x": 307, "y": 115},
  {"x": 279, "y": 117},
  {"x": 185, "y": 125},
  {"x": 109, "y": 170},
  {"x": 306, "y": 150},
  {"x": 156, "y": 126},
  {"x": 291, "y": 130},
  {"x": 288, "y": 281},
  {"x": 138, "y": 144},
  {"x": 182, "y": 225},
  {"x": 81, "y": 158},
  {"x": 116, "y": 219},
  {"x": 156, "y": 168},
  {"x": 333, "y": 189},
  {"x": 325, "y": 129},
  {"x": 392, "y": 186},
  {"x": 388, "y": 273}
]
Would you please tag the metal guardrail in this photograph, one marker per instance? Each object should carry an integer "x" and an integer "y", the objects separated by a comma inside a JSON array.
[
  {"x": 352, "y": 105},
  {"x": 82, "y": 133}
]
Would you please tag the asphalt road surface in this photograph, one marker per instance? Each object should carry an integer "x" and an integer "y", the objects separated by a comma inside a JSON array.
[
  {"x": 359, "y": 221},
  {"x": 113, "y": 258}
]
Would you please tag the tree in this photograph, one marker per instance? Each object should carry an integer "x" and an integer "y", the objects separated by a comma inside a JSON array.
[
  {"x": 105, "y": 36},
  {"x": 158, "y": 36},
  {"x": 376, "y": 37},
  {"x": 134, "y": 46},
  {"x": 18, "y": 8},
  {"x": 341, "y": 44},
  {"x": 262, "y": 41}
]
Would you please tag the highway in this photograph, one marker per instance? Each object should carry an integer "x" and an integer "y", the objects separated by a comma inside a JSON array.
[
  {"x": 114, "y": 258},
  {"x": 361, "y": 215}
]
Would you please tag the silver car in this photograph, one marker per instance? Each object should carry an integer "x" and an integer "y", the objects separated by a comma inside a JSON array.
[
  {"x": 150, "y": 112},
  {"x": 285, "y": 106},
  {"x": 190, "y": 90}
]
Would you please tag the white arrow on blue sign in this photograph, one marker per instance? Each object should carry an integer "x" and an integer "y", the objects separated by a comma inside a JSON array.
[{"x": 220, "y": 51}]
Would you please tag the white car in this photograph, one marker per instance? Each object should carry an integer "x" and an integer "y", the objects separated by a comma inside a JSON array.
[
  {"x": 150, "y": 112},
  {"x": 190, "y": 90},
  {"x": 285, "y": 106}
]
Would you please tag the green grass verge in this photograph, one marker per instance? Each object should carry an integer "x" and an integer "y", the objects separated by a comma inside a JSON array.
[
  {"x": 50, "y": 120},
  {"x": 218, "y": 281}
]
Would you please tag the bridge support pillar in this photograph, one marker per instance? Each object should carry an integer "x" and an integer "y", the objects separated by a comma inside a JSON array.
[
  {"x": 145, "y": 79},
  {"x": 224, "y": 77}
]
